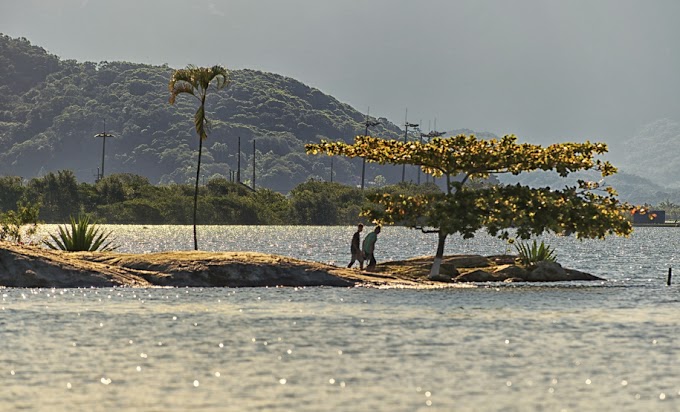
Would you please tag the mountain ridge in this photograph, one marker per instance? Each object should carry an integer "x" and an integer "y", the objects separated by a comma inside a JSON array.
[{"x": 50, "y": 109}]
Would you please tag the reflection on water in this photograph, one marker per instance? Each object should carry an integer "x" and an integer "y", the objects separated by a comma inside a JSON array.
[{"x": 580, "y": 346}]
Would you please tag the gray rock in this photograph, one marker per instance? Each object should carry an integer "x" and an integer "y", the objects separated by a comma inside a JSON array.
[
  {"x": 466, "y": 261},
  {"x": 573, "y": 274},
  {"x": 547, "y": 272},
  {"x": 511, "y": 271},
  {"x": 478, "y": 275},
  {"x": 441, "y": 277}
]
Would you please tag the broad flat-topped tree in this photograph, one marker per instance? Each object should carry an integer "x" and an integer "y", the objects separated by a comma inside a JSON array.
[{"x": 587, "y": 210}]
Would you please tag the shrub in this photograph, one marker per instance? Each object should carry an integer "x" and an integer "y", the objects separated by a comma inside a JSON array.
[
  {"x": 530, "y": 255},
  {"x": 83, "y": 237},
  {"x": 22, "y": 222}
]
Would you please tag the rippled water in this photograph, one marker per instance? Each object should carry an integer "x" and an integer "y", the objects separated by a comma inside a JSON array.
[{"x": 573, "y": 346}]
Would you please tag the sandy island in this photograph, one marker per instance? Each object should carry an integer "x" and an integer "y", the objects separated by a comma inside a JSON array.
[{"x": 33, "y": 266}]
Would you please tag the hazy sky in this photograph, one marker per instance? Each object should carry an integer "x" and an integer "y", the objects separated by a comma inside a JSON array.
[{"x": 548, "y": 71}]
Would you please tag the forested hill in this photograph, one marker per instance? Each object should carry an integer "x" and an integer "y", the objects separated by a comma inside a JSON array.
[{"x": 51, "y": 108}]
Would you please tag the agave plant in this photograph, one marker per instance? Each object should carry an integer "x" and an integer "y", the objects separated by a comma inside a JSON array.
[
  {"x": 83, "y": 236},
  {"x": 530, "y": 255}
]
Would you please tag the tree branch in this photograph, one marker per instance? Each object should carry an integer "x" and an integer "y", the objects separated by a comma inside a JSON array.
[{"x": 422, "y": 229}]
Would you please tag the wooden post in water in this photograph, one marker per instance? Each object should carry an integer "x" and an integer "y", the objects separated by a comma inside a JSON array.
[{"x": 668, "y": 282}]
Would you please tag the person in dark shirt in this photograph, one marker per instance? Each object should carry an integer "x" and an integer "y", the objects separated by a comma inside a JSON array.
[{"x": 355, "y": 248}]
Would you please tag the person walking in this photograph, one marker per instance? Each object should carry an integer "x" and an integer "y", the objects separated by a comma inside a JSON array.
[
  {"x": 369, "y": 248},
  {"x": 355, "y": 248}
]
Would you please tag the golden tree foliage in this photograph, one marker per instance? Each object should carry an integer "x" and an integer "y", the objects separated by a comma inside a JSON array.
[
  {"x": 471, "y": 156},
  {"x": 461, "y": 209}
]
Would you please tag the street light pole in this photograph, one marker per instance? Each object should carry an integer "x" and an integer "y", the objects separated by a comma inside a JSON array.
[
  {"x": 406, "y": 126},
  {"x": 421, "y": 143},
  {"x": 429, "y": 136},
  {"x": 103, "y": 135},
  {"x": 238, "y": 162},
  {"x": 368, "y": 123}
]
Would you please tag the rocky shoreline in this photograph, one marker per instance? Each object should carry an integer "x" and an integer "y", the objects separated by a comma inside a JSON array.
[{"x": 32, "y": 266}]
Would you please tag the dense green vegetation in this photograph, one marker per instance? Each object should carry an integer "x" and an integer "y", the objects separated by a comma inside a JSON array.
[
  {"x": 132, "y": 199},
  {"x": 50, "y": 109},
  {"x": 19, "y": 223}
]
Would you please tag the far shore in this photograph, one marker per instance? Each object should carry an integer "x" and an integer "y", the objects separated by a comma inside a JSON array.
[{"x": 33, "y": 266}]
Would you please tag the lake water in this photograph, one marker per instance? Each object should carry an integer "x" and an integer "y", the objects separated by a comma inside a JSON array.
[{"x": 583, "y": 346}]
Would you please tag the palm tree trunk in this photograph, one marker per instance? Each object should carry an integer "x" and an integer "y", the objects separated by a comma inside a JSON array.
[
  {"x": 198, "y": 174},
  {"x": 434, "y": 272}
]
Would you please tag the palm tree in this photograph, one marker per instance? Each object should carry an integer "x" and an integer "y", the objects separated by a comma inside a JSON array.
[
  {"x": 196, "y": 82},
  {"x": 672, "y": 210}
]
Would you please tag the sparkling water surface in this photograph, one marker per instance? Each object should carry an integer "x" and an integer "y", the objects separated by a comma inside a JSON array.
[{"x": 490, "y": 347}]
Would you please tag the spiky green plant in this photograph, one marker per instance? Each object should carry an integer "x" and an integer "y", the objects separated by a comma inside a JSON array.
[
  {"x": 83, "y": 236},
  {"x": 530, "y": 255}
]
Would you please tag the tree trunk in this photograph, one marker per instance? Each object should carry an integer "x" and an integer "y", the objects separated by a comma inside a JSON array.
[
  {"x": 198, "y": 175},
  {"x": 434, "y": 272}
]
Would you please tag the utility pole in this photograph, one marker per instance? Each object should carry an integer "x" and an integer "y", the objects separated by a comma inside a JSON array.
[
  {"x": 103, "y": 135},
  {"x": 429, "y": 129},
  {"x": 406, "y": 126},
  {"x": 430, "y": 135},
  {"x": 331, "y": 169},
  {"x": 368, "y": 123},
  {"x": 253, "y": 163},
  {"x": 421, "y": 143},
  {"x": 238, "y": 162}
]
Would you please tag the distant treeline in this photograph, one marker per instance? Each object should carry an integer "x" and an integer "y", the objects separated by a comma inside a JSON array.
[
  {"x": 50, "y": 109},
  {"x": 131, "y": 199}
]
